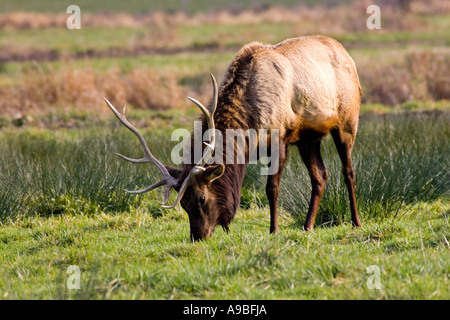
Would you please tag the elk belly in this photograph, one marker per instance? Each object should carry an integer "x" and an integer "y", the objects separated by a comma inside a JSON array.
[
  {"x": 321, "y": 121},
  {"x": 318, "y": 118}
]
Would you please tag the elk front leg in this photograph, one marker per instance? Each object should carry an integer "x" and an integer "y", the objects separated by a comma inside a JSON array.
[
  {"x": 273, "y": 188},
  {"x": 310, "y": 154}
]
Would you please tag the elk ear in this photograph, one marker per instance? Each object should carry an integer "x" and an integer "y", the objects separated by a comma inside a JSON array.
[{"x": 213, "y": 172}]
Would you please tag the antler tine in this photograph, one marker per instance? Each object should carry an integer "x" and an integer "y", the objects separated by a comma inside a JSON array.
[
  {"x": 210, "y": 121},
  {"x": 215, "y": 95},
  {"x": 199, "y": 168},
  {"x": 195, "y": 171},
  {"x": 148, "y": 155},
  {"x": 169, "y": 186},
  {"x": 168, "y": 180},
  {"x": 209, "y": 114},
  {"x": 150, "y": 188}
]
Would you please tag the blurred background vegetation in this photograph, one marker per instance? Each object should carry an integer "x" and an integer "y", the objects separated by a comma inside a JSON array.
[{"x": 153, "y": 54}]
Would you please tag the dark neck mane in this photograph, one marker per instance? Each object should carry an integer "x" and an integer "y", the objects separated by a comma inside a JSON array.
[{"x": 231, "y": 113}]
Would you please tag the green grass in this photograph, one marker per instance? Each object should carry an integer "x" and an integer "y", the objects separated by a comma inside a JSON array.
[
  {"x": 67, "y": 41},
  {"x": 438, "y": 37},
  {"x": 135, "y": 256},
  {"x": 64, "y": 40},
  {"x": 61, "y": 204}
]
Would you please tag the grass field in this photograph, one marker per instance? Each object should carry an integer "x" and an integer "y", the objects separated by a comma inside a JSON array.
[
  {"x": 134, "y": 256},
  {"x": 63, "y": 204},
  {"x": 61, "y": 188}
]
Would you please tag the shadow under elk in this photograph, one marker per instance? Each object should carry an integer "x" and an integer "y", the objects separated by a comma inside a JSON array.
[{"x": 305, "y": 88}]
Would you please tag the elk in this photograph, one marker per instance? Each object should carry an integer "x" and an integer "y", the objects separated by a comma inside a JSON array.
[{"x": 306, "y": 87}]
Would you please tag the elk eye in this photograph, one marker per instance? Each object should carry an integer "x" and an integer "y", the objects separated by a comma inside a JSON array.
[{"x": 202, "y": 200}]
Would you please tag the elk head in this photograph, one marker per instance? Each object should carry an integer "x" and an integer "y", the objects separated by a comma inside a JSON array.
[{"x": 194, "y": 186}]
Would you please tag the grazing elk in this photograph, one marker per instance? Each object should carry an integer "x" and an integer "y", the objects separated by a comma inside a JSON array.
[{"x": 305, "y": 87}]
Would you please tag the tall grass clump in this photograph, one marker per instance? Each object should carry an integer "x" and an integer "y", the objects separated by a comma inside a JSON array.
[
  {"x": 48, "y": 173},
  {"x": 398, "y": 159}
]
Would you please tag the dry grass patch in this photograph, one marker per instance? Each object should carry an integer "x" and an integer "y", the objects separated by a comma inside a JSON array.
[
  {"x": 44, "y": 90},
  {"x": 418, "y": 75}
]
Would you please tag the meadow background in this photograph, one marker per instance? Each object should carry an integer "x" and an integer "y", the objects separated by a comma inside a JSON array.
[{"x": 61, "y": 188}]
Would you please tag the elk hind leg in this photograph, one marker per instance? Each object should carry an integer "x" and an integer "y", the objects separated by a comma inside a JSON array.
[
  {"x": 344, "y": 143},
  {"x": 312, "y": 158}
]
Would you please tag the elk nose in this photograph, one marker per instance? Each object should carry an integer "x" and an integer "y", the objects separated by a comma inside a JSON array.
[
  {"x": 196, "y": 237},
  {"x": 200, "y": 236}
]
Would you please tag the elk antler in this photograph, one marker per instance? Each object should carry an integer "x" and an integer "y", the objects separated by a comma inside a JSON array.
[
  {"x": 167, "y": 180},
  {"x": 199, "y": 167}
]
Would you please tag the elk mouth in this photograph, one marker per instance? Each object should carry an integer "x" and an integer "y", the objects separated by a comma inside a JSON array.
[{"x": 201, "y": 235}]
